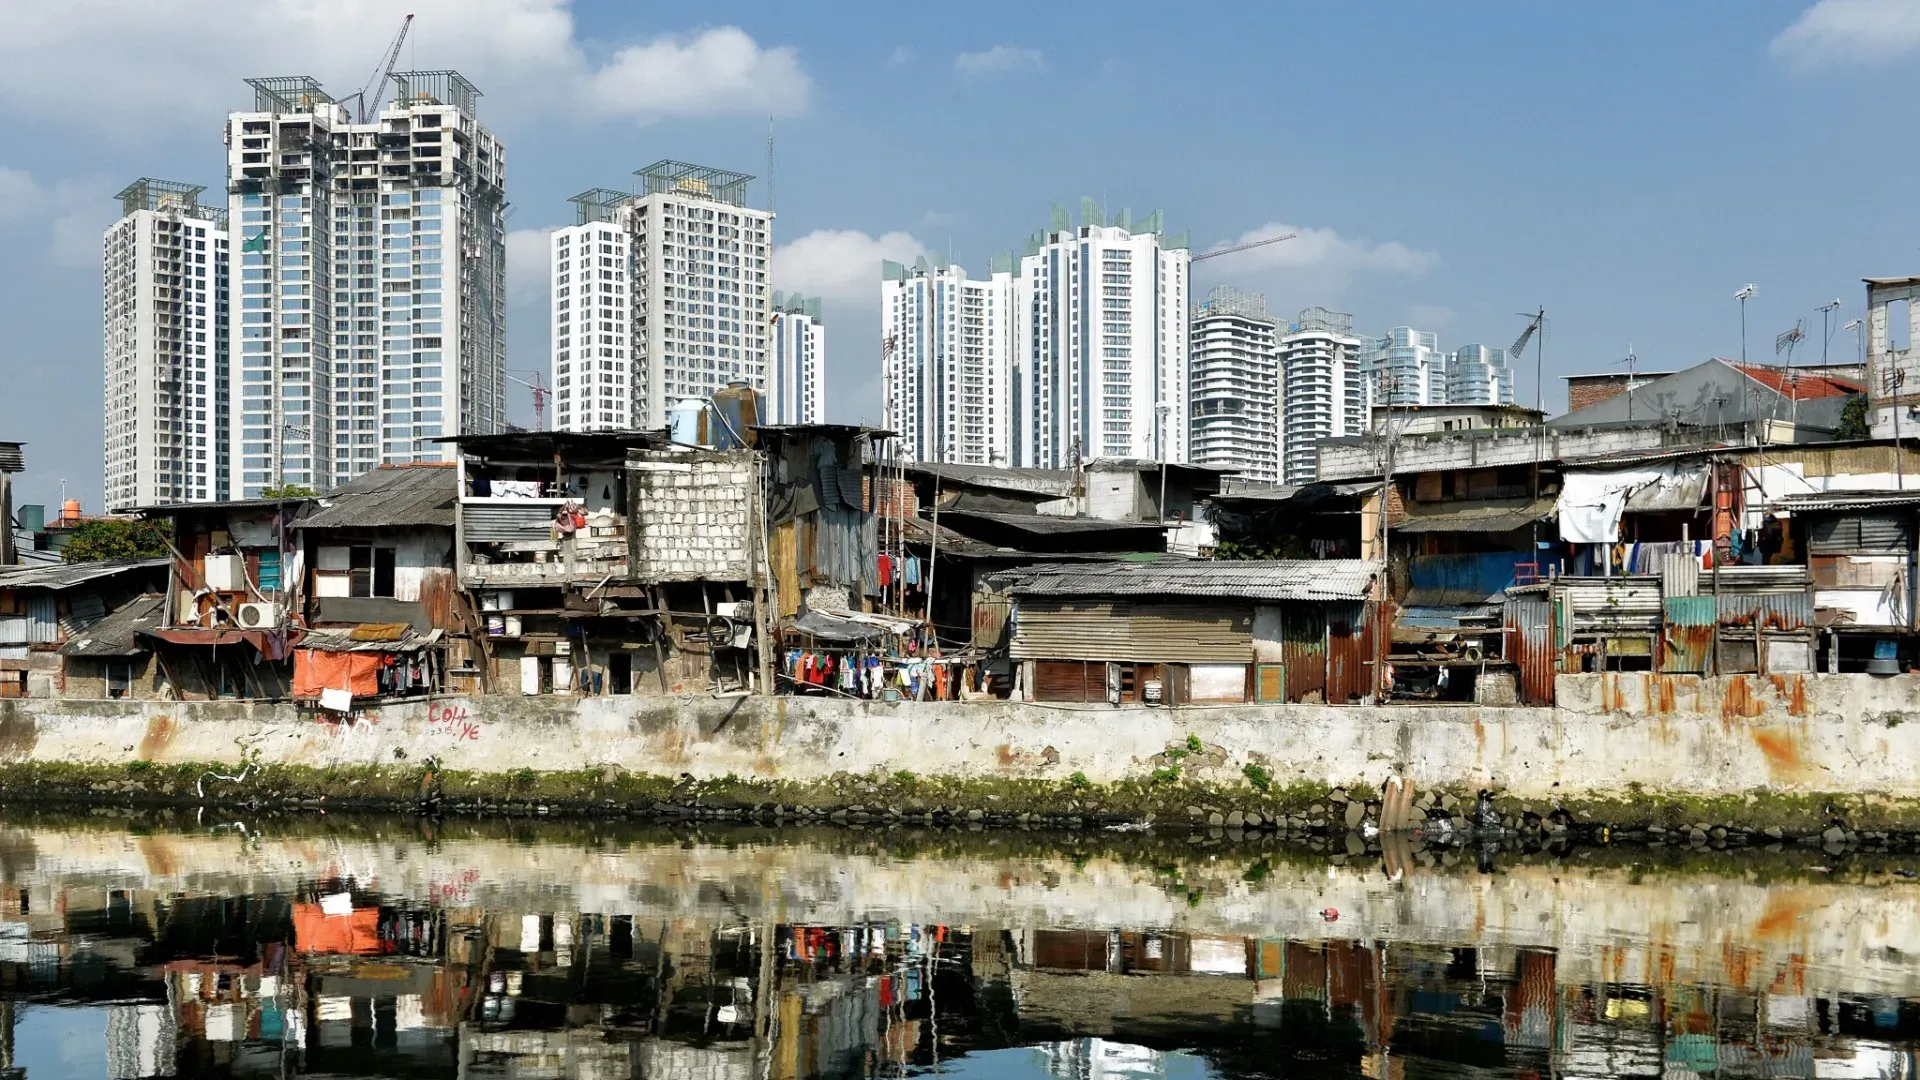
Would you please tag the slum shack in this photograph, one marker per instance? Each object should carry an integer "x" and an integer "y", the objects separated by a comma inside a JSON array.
[
  {"x": 110, "y": 659},
  {"x": 542, "y": 546},
  {"x": 383, "y": 608},
  {"x": 45, "y": 608},
  {"x": 1189, "y": 632},
  {"x": 1861, "y": 557},
  {"x": 234, "y": 598}
]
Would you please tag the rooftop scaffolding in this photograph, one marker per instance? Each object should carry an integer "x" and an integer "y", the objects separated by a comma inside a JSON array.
[
  {"x": 668, "y": 177},
  {"x": 598, "y": 204},
  {"x": 287, "y": 94},
  {"x": 169, "y": 196},
  {"x": 436, "y": 88}
]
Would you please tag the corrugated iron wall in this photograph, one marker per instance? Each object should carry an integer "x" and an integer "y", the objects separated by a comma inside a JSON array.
[
  {"x": 1303, "y": 649},
  {"x": 1530, "y": 645},
  {"x": 1349, "y": 675},
  {"x": 1686, "y": 642}
]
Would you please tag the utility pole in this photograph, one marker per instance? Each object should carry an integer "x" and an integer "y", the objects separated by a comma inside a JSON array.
[
  {"x": 1746, "y": 293},
  {"x": 1826, "y": 335}
]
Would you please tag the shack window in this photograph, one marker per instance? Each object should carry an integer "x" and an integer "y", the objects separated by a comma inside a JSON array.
[
  {"x": 119, "y": 678},
  {"x": 372, "y": 570}
]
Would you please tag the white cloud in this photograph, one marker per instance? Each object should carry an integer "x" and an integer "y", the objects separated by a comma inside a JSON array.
[
  {"x": 20, "y": 194},
  {"x": 841, "y": 264},
  {"x": 999, "y": 60},
  {"x": 529, "y": 262},
  {"x": 1841, "y": 31},
  {"x": 716, "y": 73},
  {"x": 901, "y": 54},
  {"x": 842, "y": 267},
  {"x": 141, "y": 65},
  {"x": 71, "y": 212},
  {"x": 1327, "y": 250}
]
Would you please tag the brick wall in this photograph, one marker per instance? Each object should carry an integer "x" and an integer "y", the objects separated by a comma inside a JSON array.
[{"x": 1592, "y": 391}]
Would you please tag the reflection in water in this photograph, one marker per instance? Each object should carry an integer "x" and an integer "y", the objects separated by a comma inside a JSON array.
[{"x": 749, "y": 957}]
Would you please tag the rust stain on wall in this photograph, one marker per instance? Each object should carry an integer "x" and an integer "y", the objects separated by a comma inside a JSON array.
[
  {"x": 1782, "y": 750},
  {"x": 1794, "y": 689},
  {"x": 1739, "y": 702},
  {"x": 159, "y": 735}
]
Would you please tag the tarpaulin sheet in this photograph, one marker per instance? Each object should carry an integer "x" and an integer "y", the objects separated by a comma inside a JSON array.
[
  {"x": 355, "y": 672},
  {"x": 1591, "y": 502}
]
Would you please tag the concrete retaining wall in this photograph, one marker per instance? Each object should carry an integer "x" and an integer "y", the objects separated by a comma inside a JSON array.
[{"x": 1796, "y": 733}]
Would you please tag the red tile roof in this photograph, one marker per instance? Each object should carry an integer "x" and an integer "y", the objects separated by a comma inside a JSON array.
[{"x": 1798, "y": 385}]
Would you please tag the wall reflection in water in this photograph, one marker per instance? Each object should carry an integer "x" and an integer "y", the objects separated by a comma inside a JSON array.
[{"x": 334, "y": 977}]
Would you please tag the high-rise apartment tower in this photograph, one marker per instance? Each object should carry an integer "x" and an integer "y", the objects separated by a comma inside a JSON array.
[
  {"x": 369, "y": 279},
  {"x": 1234, "y": 394},
  {"x": 164, "y": 321},
  {"x": 659, "y": 294}
]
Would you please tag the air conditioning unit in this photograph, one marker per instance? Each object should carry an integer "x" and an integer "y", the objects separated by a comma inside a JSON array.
[{"x": 260, "y": 616}]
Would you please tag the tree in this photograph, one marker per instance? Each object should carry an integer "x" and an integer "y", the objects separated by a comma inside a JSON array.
[
  {"x": 287, "y": 491},
  {"x": 1853, "y": 419},
  {"x": 117, "y": 538}
]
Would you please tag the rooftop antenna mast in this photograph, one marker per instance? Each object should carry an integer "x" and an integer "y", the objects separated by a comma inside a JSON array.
[
  {"x": 375, "y": 91},
  {"x": 1784, "y": 342},
  {"x": 1633, "y": 372}
]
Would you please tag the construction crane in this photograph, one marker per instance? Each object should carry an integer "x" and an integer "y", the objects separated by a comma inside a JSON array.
[
  {"x": 540, "y": 391},
  {"x": 1243, "y": 247},
  {"x": 371, "y": 94}
]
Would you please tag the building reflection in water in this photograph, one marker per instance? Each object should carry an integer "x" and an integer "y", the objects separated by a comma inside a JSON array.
[{"x": 335, "y": 981}]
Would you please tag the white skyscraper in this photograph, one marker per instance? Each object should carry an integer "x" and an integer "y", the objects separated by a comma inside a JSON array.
[
  {"x": 797, "y": 362},
  {"x": 1325, "y": 388},
  {"x": 1478, "y": 375},
  {"x": 949, "y": 343},
  {"x": 1235, "y": 385},
  {"x": 1102, "y": 370},
  {"x": 1408, "y": 367},
  {"x": 659, "y": 294},
  {"x": 164, "y": 317},
  {"x": 370, "y": 279}
]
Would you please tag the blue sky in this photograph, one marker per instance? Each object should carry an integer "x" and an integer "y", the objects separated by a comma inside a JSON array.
[{"x": 1627, "y": 165}]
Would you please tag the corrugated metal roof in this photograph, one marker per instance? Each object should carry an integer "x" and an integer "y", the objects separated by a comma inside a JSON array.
[
  {"x": 1280, "y": 579},
  {"x": 67, "y": 575},
  {"x": 1488, "y": 516},
  {"x": 1049, "y": 524},
  {"x": 1848, "y": 500},
  {"x": 114, "y": 635},
  {"x": 391, "y": 496},
  {"x": 1032, "y": 481},
  {"x": 343, "y": 640}
]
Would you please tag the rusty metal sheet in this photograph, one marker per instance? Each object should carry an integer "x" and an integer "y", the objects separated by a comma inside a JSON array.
[
  {"x": 1349, "y": 677},
  {"x": 1686, "y": 641},
  {"x": 1303, "y": 650},
  {"x": 1531, "y": 647},
  {"x": 1769, "y": 610},
  {"x": 990, "y": 614}
]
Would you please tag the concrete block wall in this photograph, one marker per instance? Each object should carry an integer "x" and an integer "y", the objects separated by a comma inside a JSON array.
[
  {"x": 1732, "y": 735},
  {"x": 690, "y": 515}
]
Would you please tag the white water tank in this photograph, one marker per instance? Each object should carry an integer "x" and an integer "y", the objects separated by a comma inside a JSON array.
[{"x": 683, "y": 421}]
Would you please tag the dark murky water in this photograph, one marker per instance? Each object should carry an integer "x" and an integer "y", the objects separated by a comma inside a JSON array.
[{"x": 372, "y": 948}]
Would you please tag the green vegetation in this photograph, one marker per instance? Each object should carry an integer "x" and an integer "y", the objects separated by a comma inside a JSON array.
[
  {"x": 1853, "y": 419},
  {"x": 116, "y": 538},
  {"x": 1257, "y": 776},
  {"x": 287, "y": 491}
]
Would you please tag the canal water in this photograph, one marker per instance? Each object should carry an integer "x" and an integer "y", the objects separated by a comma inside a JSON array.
[{"x": 183, "y": 946}]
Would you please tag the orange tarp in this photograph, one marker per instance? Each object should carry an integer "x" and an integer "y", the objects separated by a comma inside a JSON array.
[
  {"x": 314, "y": 671},
  {"x": 358, "y": 934}
]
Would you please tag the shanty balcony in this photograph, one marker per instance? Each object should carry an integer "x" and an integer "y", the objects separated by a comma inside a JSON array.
[{"x": 517, "y": 540}]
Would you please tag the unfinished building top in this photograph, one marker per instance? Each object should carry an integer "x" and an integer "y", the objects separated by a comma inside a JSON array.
[{"x": 668, "y": 177}]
